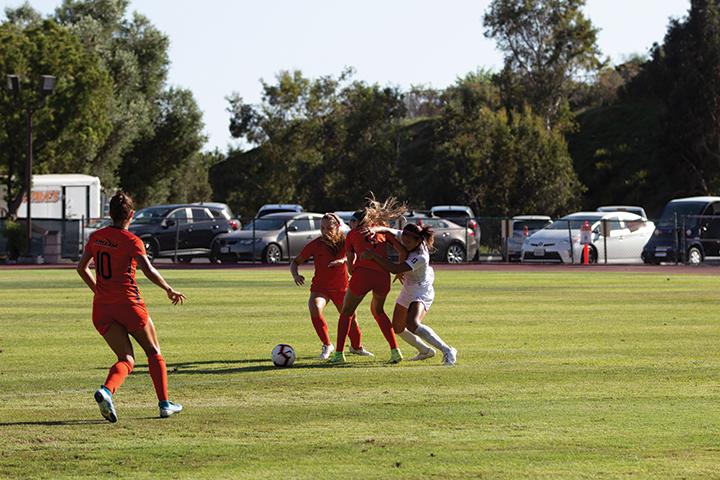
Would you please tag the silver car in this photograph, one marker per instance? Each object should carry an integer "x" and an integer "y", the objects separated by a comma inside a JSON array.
[
  {"x": 522, "y": 226},
  {"x": 270, "y": 239}
]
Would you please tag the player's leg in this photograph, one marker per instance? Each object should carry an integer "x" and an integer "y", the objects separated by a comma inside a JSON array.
[
  {"x": 146, "y": 336},
  {"x": 416, "y": 314},
  {"x": 316, "y": 305},
  {"x": 350, "y": 304},
  {"x": 354, "y": 332},
  {"x": 400, "y": 318},
  {"x": 117, "y": 339},
  {"x": 377, "y": 307}
]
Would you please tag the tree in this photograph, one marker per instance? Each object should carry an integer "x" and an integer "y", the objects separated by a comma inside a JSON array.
[
  {"x": 547, "y": 44},
  {"x": 74, "y": 124}
]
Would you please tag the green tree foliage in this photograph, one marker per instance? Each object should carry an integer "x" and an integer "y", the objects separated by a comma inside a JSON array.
[
  {"x": 74, "y": 124},
  {"x": 160, "y": 164},
  {"x": 547, "y": 45}
]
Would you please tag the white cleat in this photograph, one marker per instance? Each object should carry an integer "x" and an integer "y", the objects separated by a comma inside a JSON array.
[
  {"x": 327, "y": 350},
  {"x": 450, "y": 357},
  {"x": 168, "y": 409},
  {"x": 429, "y": 353},
  {"x": 361, "y": 351},
  {"x": 104, "y": 401}
]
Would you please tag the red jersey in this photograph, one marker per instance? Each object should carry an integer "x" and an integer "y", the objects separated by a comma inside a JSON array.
[
  {"x": 114, "y": 251},
  {"x": 326, "y": 278},
  {"x": 358, "y": 243}
]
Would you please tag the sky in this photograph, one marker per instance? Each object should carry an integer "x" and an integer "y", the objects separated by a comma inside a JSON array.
[{"x": 218, "y": 47}]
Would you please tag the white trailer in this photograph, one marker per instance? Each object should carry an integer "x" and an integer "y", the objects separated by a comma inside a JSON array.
[{"x": 63, "y": 196}]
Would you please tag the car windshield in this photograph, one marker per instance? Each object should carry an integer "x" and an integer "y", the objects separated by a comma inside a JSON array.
[
  {"x": 574, "y": 223},
  {"x": 680, "y": 209},
  {"x": 450, "y": 213},
  {"x": 150, "y": 215},
  {"x": 265, "y": 224},
  {"x": 520, "y": 225}
]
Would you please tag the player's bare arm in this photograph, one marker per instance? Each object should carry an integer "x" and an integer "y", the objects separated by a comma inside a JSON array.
[
  {"x": 83, "y": 269},
  {"x": 299, "y": 279},
  {"x": 386, "y": 264},
  {"x": 154, "y": 276}
]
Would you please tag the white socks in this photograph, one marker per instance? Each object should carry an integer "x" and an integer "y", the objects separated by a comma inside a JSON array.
[
  {"x": 429, "y": 335},
  {"x": 414, "y": 340}
]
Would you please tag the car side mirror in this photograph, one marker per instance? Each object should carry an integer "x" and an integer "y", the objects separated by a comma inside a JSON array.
[
  {"x": 292, "y": 228},
  {"x": 168, "y": 222}
]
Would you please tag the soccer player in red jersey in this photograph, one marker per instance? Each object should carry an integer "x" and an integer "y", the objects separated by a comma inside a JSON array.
[
  {"x": 329, "y": 283},
  {"x": 118, "y": 309},
  {"x": 367, "y": 275}
]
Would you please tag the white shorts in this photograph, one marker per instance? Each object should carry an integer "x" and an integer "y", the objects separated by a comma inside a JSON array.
[{"x": 422, "y": 294}]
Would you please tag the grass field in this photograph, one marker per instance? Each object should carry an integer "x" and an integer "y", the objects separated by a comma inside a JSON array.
[{"x": 571, "y": 375}]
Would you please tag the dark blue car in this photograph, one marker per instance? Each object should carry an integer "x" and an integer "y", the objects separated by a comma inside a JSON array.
[{"x": 688, "y": 231}]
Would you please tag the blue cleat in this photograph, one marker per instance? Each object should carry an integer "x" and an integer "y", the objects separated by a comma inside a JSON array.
[
  {"x": 168, "y": 409},
  {"x": 103, "y": 397}
]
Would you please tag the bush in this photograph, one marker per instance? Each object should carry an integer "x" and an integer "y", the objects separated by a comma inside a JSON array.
[{"x": 16, "y": 240}]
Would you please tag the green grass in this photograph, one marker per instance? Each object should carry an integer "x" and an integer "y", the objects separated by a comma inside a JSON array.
[{"x": 572, "y": 375}]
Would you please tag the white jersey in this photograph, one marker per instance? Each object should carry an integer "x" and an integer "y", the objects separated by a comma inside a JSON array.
[{"x": 418, "y": 282}]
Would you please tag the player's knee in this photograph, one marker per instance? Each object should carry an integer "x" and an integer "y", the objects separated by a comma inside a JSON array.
[
  {"x": 127, "y": 358},
  {"x": 152, "y": 351},
  {"x": 412, "y": 325}
]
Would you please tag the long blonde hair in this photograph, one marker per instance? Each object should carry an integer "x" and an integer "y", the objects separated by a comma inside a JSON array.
[
  {"x": 335, "y": 241},
  {"x": 382, "y": 213}
]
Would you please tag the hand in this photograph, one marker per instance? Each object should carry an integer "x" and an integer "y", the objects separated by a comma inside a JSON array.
[
  {"x": 175, "y": 296},
  {"x": 336, "y": 263},
  {"x": 400, "y": 277},
  {"x": 299, "y": 280}
]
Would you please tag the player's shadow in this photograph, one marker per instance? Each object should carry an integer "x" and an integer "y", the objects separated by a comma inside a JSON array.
[
  {"x": 53, "y": 423},
  {"x": 174, "y": 367},
  {"x": 313, "y": 363}
]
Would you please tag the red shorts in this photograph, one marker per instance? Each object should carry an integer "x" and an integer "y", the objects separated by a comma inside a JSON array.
[
  {"x": 365, "y": 280},
  {"x": 131, "y": 316},
  {"x": 335, "y": 296}
]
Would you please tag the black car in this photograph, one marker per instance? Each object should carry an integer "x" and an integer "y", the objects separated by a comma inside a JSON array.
[
  {"x": 688, "y": 231},
  {"x": 182, "y": 230}
]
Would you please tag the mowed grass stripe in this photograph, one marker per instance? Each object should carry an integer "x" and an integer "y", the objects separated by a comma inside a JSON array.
[{"x": 575, "y": 375}]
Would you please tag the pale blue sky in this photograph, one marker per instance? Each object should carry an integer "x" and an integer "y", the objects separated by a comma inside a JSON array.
[{"x": 224, "y": 46}]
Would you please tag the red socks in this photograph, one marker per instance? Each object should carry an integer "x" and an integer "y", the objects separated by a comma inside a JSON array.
[
  {"x": 355, "y": 334},
  {"x": 385, "y": 325},
  {"x": 321, "y": 329},
  {"x": 158, "y": 373},
  {"x": 343, "y": 327},
  {"x": 117, "y": 375}
]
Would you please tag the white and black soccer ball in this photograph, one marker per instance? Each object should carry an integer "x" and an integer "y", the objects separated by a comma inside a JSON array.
[{"x": 283, "y": 355}]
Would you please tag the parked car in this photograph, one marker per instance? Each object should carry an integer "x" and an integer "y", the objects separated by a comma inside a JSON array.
[
  {"x": 270, "y": 239},
  {"x": 453, "y": 243},
  {"x": 271, "y": 208},
  {"x": 623, "y": 208},
  {"x": 522, "y": 226},
  {"x": 221, "y": 210},
  {"x": 95, "y": 224},
  {"x": 625, "y": 234},
  {"x": 688, "y": 230},
  {"x": 460, "y": 215},
  {"x": 183, "y": 229}
]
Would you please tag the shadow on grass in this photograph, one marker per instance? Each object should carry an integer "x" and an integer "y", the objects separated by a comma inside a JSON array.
[{"x": 54, "y": 423}]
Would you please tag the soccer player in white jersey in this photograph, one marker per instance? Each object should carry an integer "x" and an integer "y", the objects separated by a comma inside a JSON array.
[{"x": 417, "y": 292}]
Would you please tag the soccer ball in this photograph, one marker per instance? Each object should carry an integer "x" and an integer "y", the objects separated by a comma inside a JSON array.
[{"x": 283, "y": 355}]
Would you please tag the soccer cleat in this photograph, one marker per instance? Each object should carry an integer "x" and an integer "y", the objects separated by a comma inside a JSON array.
[
  {"x": 103, "y": 397},
  {"x": 326, "y": 351},
  {"x": 168, "y": 409},
  {"x": 338, "y": 358},
  {"x": 450, "y": 357},
  {"x": 395, "y": 356},
  {"x": 361, "y": 351},
  {"x": 429, "y": 353}
]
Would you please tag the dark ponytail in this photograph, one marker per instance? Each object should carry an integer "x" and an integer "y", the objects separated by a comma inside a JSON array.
[
  {"x": 424, "y": 233},
  {"x": 121, "y": 204}
]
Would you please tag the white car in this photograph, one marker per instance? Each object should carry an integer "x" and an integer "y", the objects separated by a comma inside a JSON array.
[{"x": 621, "y": 234}]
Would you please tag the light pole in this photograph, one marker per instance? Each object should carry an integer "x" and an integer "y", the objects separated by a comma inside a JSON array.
[{"x": 47, "y": 85}]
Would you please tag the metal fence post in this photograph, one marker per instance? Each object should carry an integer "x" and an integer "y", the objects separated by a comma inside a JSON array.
[
  {"x": 253, "y": 239},
  {"x": 177, "y": 239},
  {"x": 676, "y": 238},
  {"x": 467, "y": 247},
  {"x": 605, "y": 232},
  {"x": 82, "y": 234},
  {"x": 287, "y": 242},
  {"x": 572, "y": 249}
]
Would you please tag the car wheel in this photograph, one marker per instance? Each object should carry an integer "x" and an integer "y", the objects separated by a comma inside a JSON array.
[
  {"x": 184, "y": 259},
  {"x": 455, "y": 253},
  {"x": 151, "y": 249},
  {"x": 272, "y": 254},
  {"x": 694, "y": 256}
]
